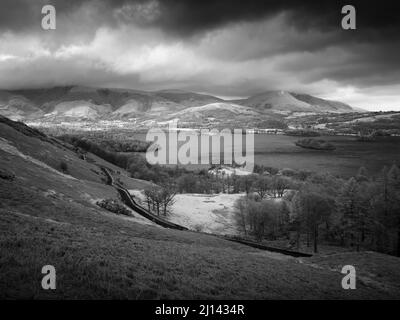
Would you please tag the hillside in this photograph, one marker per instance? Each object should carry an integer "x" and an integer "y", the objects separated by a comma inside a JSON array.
[
  {"x": 292, "y": 102},
  {"x": 188, "y": 99},
  {"x": 218, "y": 112},
  {"x": 48, "y": 216}
]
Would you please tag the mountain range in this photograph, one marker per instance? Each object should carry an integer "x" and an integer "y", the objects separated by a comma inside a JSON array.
[{"x": 76, "y": 103}]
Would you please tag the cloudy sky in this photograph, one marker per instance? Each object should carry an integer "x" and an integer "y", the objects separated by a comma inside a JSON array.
[{"x": 223, "y": 47}]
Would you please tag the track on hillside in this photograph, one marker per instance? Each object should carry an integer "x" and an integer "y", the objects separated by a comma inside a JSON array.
[
  {"x": 128, "y": 200},
  {"x": 295, "y": 254}
]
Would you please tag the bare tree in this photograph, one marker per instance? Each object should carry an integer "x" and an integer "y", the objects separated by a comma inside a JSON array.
[
  {"x": 166, "y": 195},
  {"x": 241, "y": 214},
  {"x": 153, "y": 198},
  {"x": 262, "y": 186},
  {"x": 278, "y": 186}
]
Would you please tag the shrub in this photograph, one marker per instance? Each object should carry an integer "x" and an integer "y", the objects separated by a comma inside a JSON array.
[
  {"x": 6, "y": 175},
  {"x": 198, "y": 228},
  {"x": 316, "y": 144},
  {"x": 63, "y": 166},
  {"x": 113, "y": 206},
  {"x": 302, "y": 132}
]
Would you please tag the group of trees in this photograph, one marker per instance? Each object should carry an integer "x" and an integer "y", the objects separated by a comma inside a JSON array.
[
  {"x": 86, "y": 145},
  {"x": 361, "y": 212},
  {"x": 124, "y": 146},
  {"x": 262, "y": 218},
  {"x": 108, "y": 143},
  {"x": 159, "y": 199},
  {"x": 369, "y": 210}
]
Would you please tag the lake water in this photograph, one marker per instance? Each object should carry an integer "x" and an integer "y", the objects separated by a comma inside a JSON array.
[{"x": 280, "y": 151}]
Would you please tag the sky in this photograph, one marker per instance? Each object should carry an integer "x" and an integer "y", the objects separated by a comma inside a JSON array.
[{"x": 226, "y": 48}]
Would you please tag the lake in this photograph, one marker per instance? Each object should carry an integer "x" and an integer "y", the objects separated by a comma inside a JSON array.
[{"x": 280, "y": 151}]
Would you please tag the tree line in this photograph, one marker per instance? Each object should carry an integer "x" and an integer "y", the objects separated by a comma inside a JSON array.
[{"x": 362, "y": 212}]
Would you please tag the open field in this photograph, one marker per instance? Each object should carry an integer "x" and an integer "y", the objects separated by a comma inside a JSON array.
[{"x": 211, "y": 213}]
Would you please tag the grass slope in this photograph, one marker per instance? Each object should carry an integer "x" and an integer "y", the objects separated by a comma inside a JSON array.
[
  {"x": 98, "y": 255},
  {"x": 48, "y": 218}
]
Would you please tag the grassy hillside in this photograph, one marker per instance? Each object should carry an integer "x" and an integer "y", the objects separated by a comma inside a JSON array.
[
  {"x": 98, "y": 255},
  {"x": 48, "y": 216}
]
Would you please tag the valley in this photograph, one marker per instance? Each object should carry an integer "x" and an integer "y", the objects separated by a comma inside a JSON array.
[{"x": 53, "y": 174}]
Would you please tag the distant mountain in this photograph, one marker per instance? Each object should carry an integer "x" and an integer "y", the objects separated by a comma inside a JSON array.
[
  {"x": 294, "y": 102},
  {"x": 322, "y": 104},
  {"x": 74, "y": 103},
  {"x": 188, "y": 99}
]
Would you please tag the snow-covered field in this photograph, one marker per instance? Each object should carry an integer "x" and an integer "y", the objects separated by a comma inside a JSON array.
[{"x": 203, "y": 212}]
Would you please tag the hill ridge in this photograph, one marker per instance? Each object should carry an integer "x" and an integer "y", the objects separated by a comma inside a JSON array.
[{"x": 90, "y": 103}]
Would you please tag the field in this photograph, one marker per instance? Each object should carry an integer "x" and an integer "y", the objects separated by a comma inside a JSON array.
[
  {"x": 279, "y": 151},
  {"x": 99, "y": 255},
  {"x": 211, "y": 213}
]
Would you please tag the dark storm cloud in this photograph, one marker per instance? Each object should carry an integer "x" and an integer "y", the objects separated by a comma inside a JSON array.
[
  {"x": 229, "y": 47},
  {"x": 188, "y": 17},
  {"x": 377, "y": 21}
]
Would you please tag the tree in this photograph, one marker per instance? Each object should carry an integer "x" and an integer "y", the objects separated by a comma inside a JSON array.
[
  {"x": 313, "y": 209},
  {"x": 272, "y": 217},
  {"x": 240, "y": 214},
  {"x": 153, "y": 197},
  {"x": 148, "y": 198},
  {"x": 260, "y": 218},
  {"x": 257, "y": 219},
  {"x": 278, "y": 185},
  {"x": 235, "y": 183},
  {"x": 353, "y": 205},
  {"x": 186, "y": 183},
  {"x": 166, "y": 195},
  {"x": 262, "y": 186},
  {"x": 247, "y": 183},
  {"x": 394, "y": 196}
]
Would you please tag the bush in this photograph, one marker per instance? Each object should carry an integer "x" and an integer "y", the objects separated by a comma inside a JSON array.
[
  {"x": 198, "y": 228},
  {"x": 6, "y": 175},
  {"x": 288, "y": 172},
  {"x": 316, "y": 144},
  {"x": 301, "y": 132},
  {"x": 63, "y": 166},
  {"x": 113, "y": 206}
]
